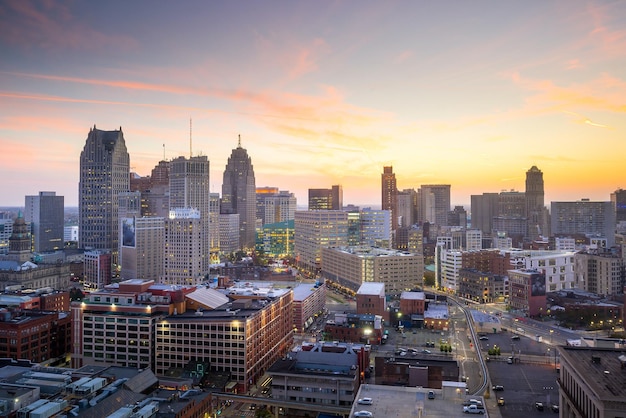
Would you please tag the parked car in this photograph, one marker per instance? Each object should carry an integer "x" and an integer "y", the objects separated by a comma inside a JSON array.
[
  {"x": 498, "y": 388},
  {"x": 483, "y": 338},
  {"x": 500, "y": 401},
  {"x": 363, "y": 414},
  {"x": 365, "y": 401},
  {"x": 473, "y": 409},
  {"x": 555, "y": 408},
  {"x": 539, "y": 406},
  {"x": 515, "y": 337}
]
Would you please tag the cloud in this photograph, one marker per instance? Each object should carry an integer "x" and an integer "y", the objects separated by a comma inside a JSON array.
[
  {"x": 51, "y": 26},
  {"x": 404, "y": 56}
]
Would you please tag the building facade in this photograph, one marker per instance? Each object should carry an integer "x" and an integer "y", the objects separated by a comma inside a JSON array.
[
  {"x": 314, "y": 230},
  {"x": 326, "y": 199},
  {"x": 434, "y": 203},
  {"x": 594, "y": 219},
  {"x": 389, "y": 199},
  {"x": 183, "y": 236},
  {"x": 239, "y": 194},
  {"x": 104, "y": 174},
  {"x": 45, "y": 214}
]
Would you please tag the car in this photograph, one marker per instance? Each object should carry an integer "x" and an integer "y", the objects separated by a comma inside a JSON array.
[
  {"x": 509, "y": 360},
  {"x": 554, "y": 408},
  {"x": 539, "y": 406},
  {"x": 483, "y": 338},
  {"x": 515, "y": 337},
  {"x": 500, "y": 401},
  {"x": 426, "y": 352},
  {"x": 473, "y": 409},
  {"x": 363, "y": 414},
  {"x": 498, "y": 388},
  {"x": 365, "y": 401},
  {"x": 431, "y": 394}
]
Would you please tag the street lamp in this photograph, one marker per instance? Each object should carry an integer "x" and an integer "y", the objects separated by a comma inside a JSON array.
[{"x": 551, "y": 332}]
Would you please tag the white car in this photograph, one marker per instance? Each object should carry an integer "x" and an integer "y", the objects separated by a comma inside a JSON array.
[
  {"x": 363, "y": 414},
  {"x": 365, "y": 401}
]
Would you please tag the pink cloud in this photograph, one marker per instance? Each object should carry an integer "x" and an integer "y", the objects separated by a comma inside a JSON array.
[{"x": 51, "y": 25}]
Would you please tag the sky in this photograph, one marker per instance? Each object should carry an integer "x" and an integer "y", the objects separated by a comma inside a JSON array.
[{"x": 466, "y": 93}]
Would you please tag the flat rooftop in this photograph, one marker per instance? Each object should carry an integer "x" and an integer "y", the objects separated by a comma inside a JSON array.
[{"x": 601, "y": 368}]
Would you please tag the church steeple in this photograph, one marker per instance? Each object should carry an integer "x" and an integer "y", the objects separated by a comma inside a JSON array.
[{"x": 20, "y": 241}]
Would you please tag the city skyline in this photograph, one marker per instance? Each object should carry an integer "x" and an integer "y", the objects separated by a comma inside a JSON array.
[{"x": 470, "y": 94}]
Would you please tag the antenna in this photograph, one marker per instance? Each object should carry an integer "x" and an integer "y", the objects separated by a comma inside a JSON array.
[
  {"x": 163, "y": 152},
  {"x": 239, "y": 143},
  {"x": 190, "y": 152}
]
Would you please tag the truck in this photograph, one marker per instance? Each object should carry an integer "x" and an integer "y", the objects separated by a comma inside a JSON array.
[{"x": 473, "y": 409}]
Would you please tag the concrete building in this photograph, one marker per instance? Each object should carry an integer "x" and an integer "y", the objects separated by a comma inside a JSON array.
[
  {"x": 376, "y": 228},
  {"x": 600, "y": 272},
  {"x": 390, "y": 196},
  {"x": 274, "y": 206},
  {"x": 36, "y": 335},
  {"x": 482, "y": 287},
  {"x": 406, "y": 208},
  {"x": 484, "y": 208},
  {"x": 317, "y": 229},
  {"x": 447, "y": 266},
  {"x": 70, "y": 233},
  {"x": 528, "y": 291},
  {"x": 352, "y": 266},
  {"x": 557, "y": 267},
  {"x": 536, "y": 212},
  {"x": 371, "y": 299},
  {"x": 6, "y": 230},
  {"x": 142, "y": 251},
  {"x": 117, "y": 325},
  {"x": 594, "y": 219},
  {"x": 239, "y": 194},
  {"x": 618, "y": 198},
  {"x": 309, "y": 302},
  {"x": 326, "y": 199},
  {"x": 592, "y": 382},
  {"x": 229, "y": 233},
  {"x": 104, "y": 174},
  {"x": 434, "y": 203},
  {"x": 276, "y": 240},
  {"x": 44, "y": 212},
  {"x": 97, "y": 269},
  {"x": 244, "y": 333},
  {"x": 189, "y": 189},
  {"x": 184, "y": 260},
  {"x": 324, "y": 373}
]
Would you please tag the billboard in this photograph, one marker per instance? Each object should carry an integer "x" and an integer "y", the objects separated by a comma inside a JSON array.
[
  {"x": 538, "y": 285},
  {"x": 128, "y": 232}
]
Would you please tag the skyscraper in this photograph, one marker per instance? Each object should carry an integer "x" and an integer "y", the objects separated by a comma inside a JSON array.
[
  {"x": 390, "y": 195},
  {"x": 618, "y": 197},
  {"x": 45, "y": 213},
  {"x": 535, "y": 210},
  {"x": 189, "y": 189},
  {"x": 239, "y": 194},
  {"x": 104, "y": 173},
  {"x": 434, "y": 203},
  {"x": 326, "y": 199}
]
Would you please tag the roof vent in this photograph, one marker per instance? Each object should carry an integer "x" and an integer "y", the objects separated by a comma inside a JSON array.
[{"x": 596, "y": 359}]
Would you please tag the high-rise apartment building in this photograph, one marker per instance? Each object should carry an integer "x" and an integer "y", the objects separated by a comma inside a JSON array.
[
  {"x": 483, "y": 209},
  {"x": 314, "y": 230},
  {"x": 326, "y": 199},
  {"x": 278, "y": 206},
  {"x": 618, "y": 198},
  {"x": 584, "y": 217},
  {"x": 239, "y": 194},
  {"x": 97, "y": 269},
  {"x": 184, "y": 239},
  {"x": 45, "y": 214},
  {"x": 189, "y": 189},
  {"x": 535, "y": 207},
  {"x": 599, "y": 272},
  {"x": 434, "y": 203},
  {"x": 104, "y": 174},
  {"x": 390, "y": 195}
]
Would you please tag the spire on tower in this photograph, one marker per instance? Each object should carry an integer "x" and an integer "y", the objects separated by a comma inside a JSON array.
[
  {"x": 190, "y": 152},
  {"x": 239, "y": 143}
]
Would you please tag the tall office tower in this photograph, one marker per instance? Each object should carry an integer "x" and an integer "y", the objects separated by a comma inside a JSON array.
[
  {"x": 142, "y": 240},
  {"x": 104, "y": 174},
  {"x": 229, "y": 232},
  {"x": 535, "y": 208},
  {"x": 45, "y": 214},
  {"x": 20, "y": 241},
  {"x": 618, "y": 198},
  {"x": 354, "y": 227},
  {"x": 434, "y": 203},
  {"x": 483, "y": 209},
  {"x": 315, "y": 229},
  {"x": 390, "y": 195},
  {"x": 189, "y": 189},
  {"x": 592, "y": 219},
  {"x": 326, "y": 199},
  {"x": 156, "y": 200},
  {"x": 214, "y": 226},
  {"x": 6, "y": 229},
  {"x": 184, "y": 243},
  {"x": 239, "y": 194},
  {"x": 458, "y": 217},
  {"x": 406, "y": 213},
  {"x": 97, "y": 269},
  {"x": 278, "y": 206},
  {"x": 376, "y": 228}
]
